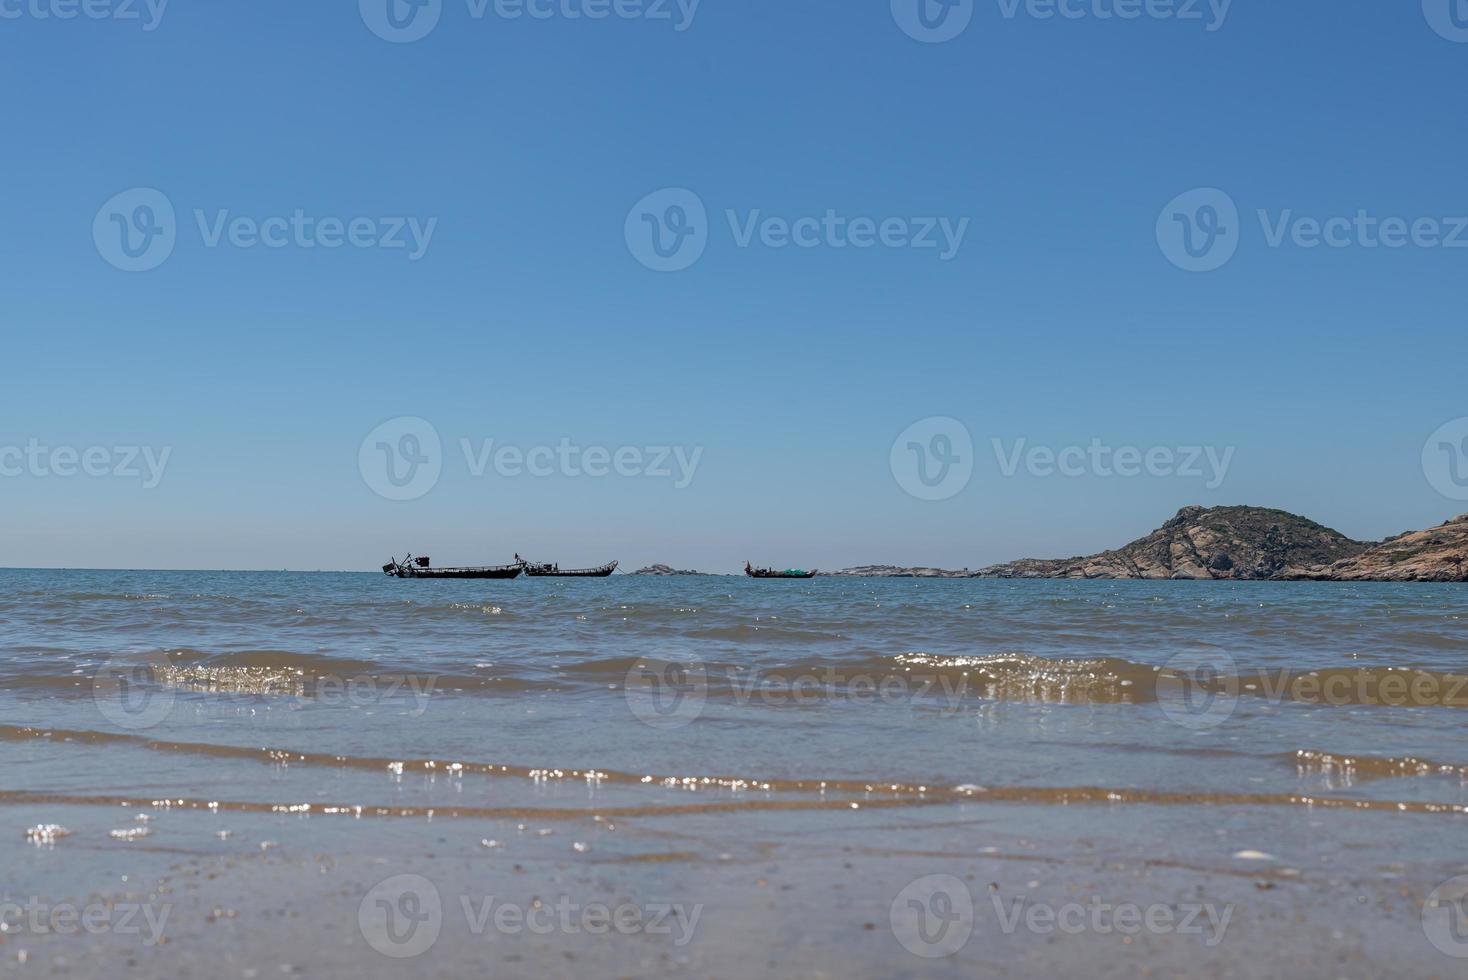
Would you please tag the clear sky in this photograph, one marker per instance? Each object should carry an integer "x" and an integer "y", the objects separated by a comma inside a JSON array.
[{"x": 1058, "y": 314}]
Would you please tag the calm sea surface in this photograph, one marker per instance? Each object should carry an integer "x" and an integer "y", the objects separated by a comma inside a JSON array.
[{"x": 928, "y": 683}]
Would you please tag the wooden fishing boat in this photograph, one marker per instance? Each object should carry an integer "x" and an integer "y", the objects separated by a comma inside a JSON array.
[
  {"x": 411, "y": 567},
  {"x": 753, "y": 572},
  {"x": 542, "y": 570}
]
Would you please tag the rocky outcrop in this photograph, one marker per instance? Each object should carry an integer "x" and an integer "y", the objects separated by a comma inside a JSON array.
[
  {"x": 1255, "y": 543},
  {"x": 895, "y": 571},
  {"x": 1209, "y": 543},
  {"x": 1438, "y": 554}
]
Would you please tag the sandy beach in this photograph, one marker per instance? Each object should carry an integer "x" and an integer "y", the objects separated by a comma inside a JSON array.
[{"x": 819, "y": 894}]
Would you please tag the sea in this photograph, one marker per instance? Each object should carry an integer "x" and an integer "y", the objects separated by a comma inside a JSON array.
[{"x": 263, "y": 753}]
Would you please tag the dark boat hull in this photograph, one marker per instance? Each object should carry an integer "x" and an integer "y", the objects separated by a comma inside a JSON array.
[
  {"x": 493, "y": 571},
  {"x": 753, "y": 572},
  {"x": 549, "y": 571}
]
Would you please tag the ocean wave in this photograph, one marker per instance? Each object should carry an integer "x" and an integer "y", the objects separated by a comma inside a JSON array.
[
  {"x": 1351, "y": 768},
  {"x": 799, "y": 681},
  {"x": 819, "y": 793},
  {"x": 1111, "y": 680}
]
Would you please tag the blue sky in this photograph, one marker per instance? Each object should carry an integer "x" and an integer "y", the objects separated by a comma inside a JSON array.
[{"x": 529, "y": 319}]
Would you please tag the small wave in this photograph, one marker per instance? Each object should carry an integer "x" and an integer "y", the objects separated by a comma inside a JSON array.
[
  {"x": 819, "y": 794},
  {"x": 1360, "y": 768},
  {"x": 264, "y": 673},
  {"x": 1011, "y": 676},
  {"x": 453, "y": 768},
  {"x": 299, "y": 682},
  {"x": 487, "y": 610},
  {"x": 259, "y": 672},
  {"x": 1110, "y": 680},
  {"x": 604, "y": 668},
  {"x": 1025, "y": 677},
  {"x": 360, "y": 810}
]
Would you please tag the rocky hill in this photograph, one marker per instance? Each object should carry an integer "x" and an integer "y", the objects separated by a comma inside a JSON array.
[
  {"x": 663, "y": 570},
  {"x": 1438, "y": 554},
  {"x": 1221, "y": 543}
]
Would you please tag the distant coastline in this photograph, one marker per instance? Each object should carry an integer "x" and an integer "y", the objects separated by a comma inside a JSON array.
[
  {"x": 896, "y": 571},
  {"x": 1241, "y": 543},
  {"x": 1198, "y": 543},
  {"x": 1223, "y": 543},
  {"x": 665, "y": 570}
]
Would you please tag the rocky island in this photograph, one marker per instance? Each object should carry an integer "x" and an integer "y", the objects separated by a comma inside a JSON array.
[
  {"x": 895, "y": 571},
  {"x": 1261, "y": 544},
  {"x": 1438, "y": 554},
  {"x": 664, "y": 570}
]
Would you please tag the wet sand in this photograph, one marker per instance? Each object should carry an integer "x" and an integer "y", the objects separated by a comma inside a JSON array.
[{"x": 738, "y": 894}]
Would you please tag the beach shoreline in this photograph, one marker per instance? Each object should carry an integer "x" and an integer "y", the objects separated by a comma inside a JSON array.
[{"x": 740, "y": 895}]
